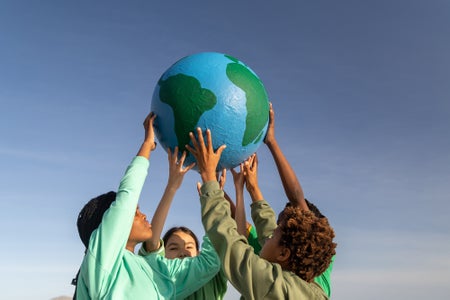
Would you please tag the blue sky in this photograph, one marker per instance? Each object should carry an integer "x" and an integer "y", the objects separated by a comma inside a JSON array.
[{"x": 362, "y": 100}]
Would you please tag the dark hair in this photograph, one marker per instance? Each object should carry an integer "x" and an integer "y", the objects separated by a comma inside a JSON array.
[
  {"x": 314, "y": 209},
  {"x": 89, "y": 219},
  {"x": 310, "y": 240},
  {"x": 91, "y": 215},
  {"x": 186, "y": 230}
]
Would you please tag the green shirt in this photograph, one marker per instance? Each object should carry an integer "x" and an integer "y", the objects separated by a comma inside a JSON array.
[
  {"x": 109, "y": 271},
  {"x": 214, "y": 289},
  {"x": 253, "y": 276},
  {"x": 324, "y": 279}
]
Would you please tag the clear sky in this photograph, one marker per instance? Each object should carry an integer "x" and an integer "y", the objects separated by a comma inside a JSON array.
[{"x": 361, "y": 92}]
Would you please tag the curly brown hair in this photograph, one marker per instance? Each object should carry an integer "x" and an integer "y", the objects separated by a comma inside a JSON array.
[{"x": 310, "y": 240}]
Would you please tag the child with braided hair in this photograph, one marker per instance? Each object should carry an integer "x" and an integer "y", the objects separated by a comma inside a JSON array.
[{"x": 112, "y": 225}]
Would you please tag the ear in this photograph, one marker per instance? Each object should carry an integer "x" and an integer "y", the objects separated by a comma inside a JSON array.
[{"x": 284, "y": 254}]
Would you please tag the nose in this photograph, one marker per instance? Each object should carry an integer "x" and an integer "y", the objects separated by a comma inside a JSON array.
[{"x": 185, "y": 253}]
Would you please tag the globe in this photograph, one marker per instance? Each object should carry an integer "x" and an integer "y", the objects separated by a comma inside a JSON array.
[{"x": 213, "y": 91}]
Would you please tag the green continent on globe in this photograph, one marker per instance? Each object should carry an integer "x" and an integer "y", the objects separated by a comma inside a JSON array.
[
  {"x": 188, "y": 101},
  {"x": 256, "y": 100}
]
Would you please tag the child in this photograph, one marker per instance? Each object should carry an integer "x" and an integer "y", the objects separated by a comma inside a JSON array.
[
  {"x": 180, "y": 242},
  {"x": 293, "y": 191},
  {"x": 296, "y": 250},
  {"x": 111, "y": 226}
]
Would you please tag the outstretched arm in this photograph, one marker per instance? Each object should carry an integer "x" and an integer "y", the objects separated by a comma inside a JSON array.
[
  {"x": 239, "y": 215},
  {"x": 207, "y": 158},
  {"x": 291, "y": 185},
  {"x": 176, "y": 175}
]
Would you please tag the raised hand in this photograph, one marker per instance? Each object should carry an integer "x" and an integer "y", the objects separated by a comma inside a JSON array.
[
  {"x": 239, "y": 178},
  {"x": 270, "y": 135},
  {"x": 207, "y": 158},
  {"x": 251, "y": 178},
  {"x": 176, "y": 168},
  {"x": 149, "y": 143}
]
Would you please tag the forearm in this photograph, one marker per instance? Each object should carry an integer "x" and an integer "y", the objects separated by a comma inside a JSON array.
[
  {"x": 240, "y": 218},
  {"x": 232, "y": 206},
  {"x": 291, "y": 184},
  {"x": 159, "y": 218},
  {"x": 255, "y": 193},
  {"x": 264, "y": 219}
]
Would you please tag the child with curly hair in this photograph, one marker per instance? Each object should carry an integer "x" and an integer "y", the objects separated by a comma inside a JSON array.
[
  {"x": 296, "y": 249},
  {"x": 293, "y": 192}
]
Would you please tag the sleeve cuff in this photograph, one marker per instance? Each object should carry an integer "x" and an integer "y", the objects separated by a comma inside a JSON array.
[{"x": 159, "y": 251}]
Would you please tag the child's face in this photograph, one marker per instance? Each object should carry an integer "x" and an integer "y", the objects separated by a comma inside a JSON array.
[
  {"x": 180, "y": 245},
  {"x": 271, "y": 248},
  {"x": 141, "y": 229}
]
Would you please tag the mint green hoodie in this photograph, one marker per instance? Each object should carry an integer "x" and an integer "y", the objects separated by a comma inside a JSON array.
[{"x": 109, "y": 271}]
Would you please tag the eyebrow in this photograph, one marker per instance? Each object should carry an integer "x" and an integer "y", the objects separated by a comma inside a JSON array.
[{"x": 176, "y": 244}]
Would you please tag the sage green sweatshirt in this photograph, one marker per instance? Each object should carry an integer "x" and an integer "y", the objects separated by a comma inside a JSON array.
[{"x": 253, "y": 276}]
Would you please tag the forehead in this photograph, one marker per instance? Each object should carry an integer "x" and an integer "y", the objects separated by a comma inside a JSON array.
[{"x": 181, "y": 237}]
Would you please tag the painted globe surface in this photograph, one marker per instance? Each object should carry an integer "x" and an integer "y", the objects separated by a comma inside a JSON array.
[{"x": 212, "y": 91}]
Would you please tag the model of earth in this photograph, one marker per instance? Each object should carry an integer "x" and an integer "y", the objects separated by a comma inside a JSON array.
[{"x": 212, "y": 91}]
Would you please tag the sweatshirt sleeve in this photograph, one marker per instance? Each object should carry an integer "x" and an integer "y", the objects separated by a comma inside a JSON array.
[
  {"x": 252, "y": 276},
  {"x": 263, "y": 217},
  {"x": 107, "y": 242},
  {"x": 188, "y": 274}
]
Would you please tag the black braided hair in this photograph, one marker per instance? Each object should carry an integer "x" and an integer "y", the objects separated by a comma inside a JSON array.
[
  {"x": 91, "y": 215},
  {"x": 89, "y": 219}
]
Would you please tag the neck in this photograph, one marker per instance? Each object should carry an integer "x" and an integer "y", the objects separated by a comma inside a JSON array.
[{"x": 130, "y": 247}]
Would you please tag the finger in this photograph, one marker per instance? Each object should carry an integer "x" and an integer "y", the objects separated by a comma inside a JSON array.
[
  {"x": 189, "y": 167},
  {"x": 250, "y": 160},
  {"x": 255, "y": 161},
  {"x": 199, "y": 188},
  {"x": 193, "y": 140},
  {"x": 146, "y": 120},
  {"x": 152, "y": 117},
  {"x": 191, "y": 150},
  {"x": 220, "y": 150},
  {"x": 183, "y": 157},
  {"x": 209, "y": 140},
  {"x": 241, "y": 167},
  {"x": 169, "y": 152},
  {"x": 201, "y": 142},
  {"x": 246, "y": 166},
  {"x": 224, "y": 174}
]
